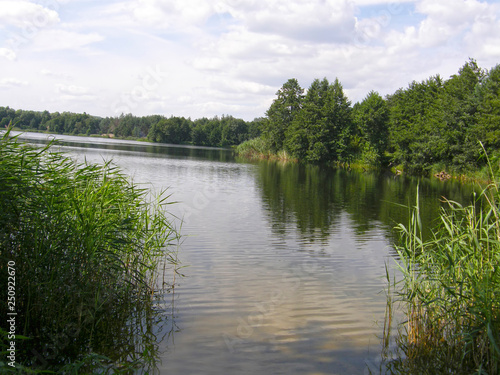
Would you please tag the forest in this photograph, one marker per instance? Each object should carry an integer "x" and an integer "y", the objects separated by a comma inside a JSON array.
[
  {"x": 217, "y": 131},
  {"x": 430, "y": 126}
]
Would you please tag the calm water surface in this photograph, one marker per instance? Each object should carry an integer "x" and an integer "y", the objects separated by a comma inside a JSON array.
[{"x": 286, "y": 262}]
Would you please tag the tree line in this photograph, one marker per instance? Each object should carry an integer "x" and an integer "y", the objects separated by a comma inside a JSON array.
[
  {"x": 217, "y": 131},
  {"x": 434, "y": 124},
  {"x": 431, "y": 125}
]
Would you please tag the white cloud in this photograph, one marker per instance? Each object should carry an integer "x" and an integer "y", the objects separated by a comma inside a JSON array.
[
  {"x": 58, "y": 39},
  {"x": 455, "y": 13},
  {"x": 7, "y": 53},
  {"x": 50, "y": 73},
  {"x": 446, "y": 19},
  {"x": 381, "y": 2},
  {"x": 318, "y": 20},
  {"x": 26, "y": 14},
  {"x": 231, "y": 56},
  {"x": 72, "y": 90},
  {"x": 73, "y": 94},
  {"x": 157, "y": 14},
  {"x": 444, "y": 24},
  {"x": 483, "y": 39},
  {"x": 12, "y": 82}
]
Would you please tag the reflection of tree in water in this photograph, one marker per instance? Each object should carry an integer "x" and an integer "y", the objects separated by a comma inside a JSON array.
[
  {"x": 314, "y": 198},
  {"x": 297, "y": 193}
]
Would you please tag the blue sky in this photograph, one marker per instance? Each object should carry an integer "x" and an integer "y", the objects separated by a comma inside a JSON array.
[{"x": 198, "y": 58}]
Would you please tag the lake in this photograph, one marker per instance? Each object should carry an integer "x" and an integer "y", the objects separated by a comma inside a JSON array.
[{"x": 286, "y": 263}]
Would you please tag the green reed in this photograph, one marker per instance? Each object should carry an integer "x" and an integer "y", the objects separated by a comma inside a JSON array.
[
  {"x": 451, "y": 290},
  {"x": 89, "y": 247},
  {"x": 255, "y": 148}
]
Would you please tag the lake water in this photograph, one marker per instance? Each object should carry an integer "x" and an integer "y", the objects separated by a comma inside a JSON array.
[{"x": 286, "y": 263}]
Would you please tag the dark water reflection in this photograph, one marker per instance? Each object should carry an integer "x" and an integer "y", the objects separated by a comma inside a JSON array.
[
  {"x": 286, "y": 262},
  {"x": 315, "y": 197}
]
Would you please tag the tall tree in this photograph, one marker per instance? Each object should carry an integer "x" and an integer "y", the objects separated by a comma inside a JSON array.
[
  {"x": 372, "y": 121},
  {"x": 322, "y": 129},
  {"x": 340, "y": 123},
  {"x": 457, "y": 117},
  {"x": 281, "y": 113},
  {"x": 414, "y": 127},
  {"x": 488, "y": 123},
  {"x": 304, "y": 137}
]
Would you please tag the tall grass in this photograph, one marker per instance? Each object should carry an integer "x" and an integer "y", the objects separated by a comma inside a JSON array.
[
  {"x": 87, "y": 246},
  {"x": 451, "y": 291},
  {"x": 255, "y": 148}
]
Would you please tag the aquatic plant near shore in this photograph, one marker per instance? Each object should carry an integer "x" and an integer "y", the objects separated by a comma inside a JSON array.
[
  {"x": 451, "y": 291},
  {"x": 87, "y": 245},
  {"x": 257, "y": 148}
]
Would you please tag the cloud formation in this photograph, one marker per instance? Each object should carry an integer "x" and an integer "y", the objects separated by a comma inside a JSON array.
[
  {"x": 12, "y": 82},
  {"x": 230, "y": 56},
  {"x": 22, "y": 13}
]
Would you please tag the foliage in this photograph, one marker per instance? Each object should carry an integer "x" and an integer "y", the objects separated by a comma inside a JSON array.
[
  {"x": 86, "y": 244},
  {"x": 281, "y": 114},
  {"x": 174, "y": 130},
  {"x": 414, "y": 143},
  {"x": 321, "y": 130},
  {"x": 315, "y": 128},
  {"x": 438, "y": 123},
  {"x": 371, "y": 117},
  {"x": 217, "y": 132},
  {"x": 451, "y": 291},
  {"x": 488, "y": 124},
  {"x": 427, "y": 127}
]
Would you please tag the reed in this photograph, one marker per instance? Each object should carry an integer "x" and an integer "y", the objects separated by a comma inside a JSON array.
[
  {"x": 87, "y": 245},
  {"x": 255, "y": 148},
  {"x": 451, "y": 290}
]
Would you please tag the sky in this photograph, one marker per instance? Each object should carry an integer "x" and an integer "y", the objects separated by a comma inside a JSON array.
[{"x": 201, "y": 58}]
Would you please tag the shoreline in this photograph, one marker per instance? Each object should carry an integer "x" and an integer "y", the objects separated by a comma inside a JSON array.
[{"x": 441, "y": 174}]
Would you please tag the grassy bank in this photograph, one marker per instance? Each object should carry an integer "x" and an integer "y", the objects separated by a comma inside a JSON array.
[
  {"x": 450, "y": 291},
  {"x": 87, "y": 249},
  {"x": 256, "y": 149}
]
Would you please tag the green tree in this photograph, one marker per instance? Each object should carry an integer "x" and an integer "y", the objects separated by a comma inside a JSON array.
[
  {"x": 56, "y": 123},
  {"x": 340, "y": 124},
  {"x": 322, "y": 128},
  {"x": 174, "y": 130},
  {"x": 282, "y": 113},
  {"x": 234, "y": 131},
  {"x": 458, "y": 116},
  {"x": 199, "y": 134},
  {"x": 126, "y": 124},
  {"x": 255, "y": 127},
  {"x": 371, "y": 117},
  {"x": 306, "y": 136},
  {"x": 415, "y": 131},
  {"x": 488, "y": 122},
  {"x": 214, "y": 132}
]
